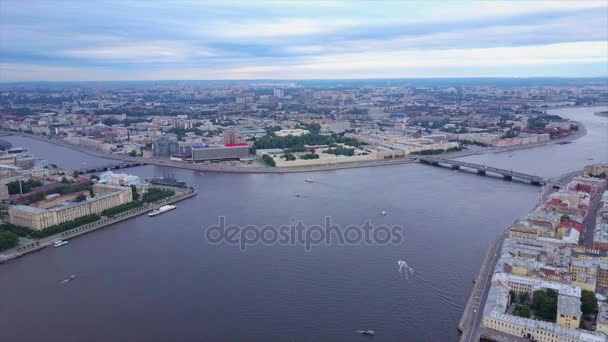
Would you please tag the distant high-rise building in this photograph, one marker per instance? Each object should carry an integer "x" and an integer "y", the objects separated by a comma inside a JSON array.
[
  {"x": 231, "y": 136},
  {"x": 278, "y": 92}
]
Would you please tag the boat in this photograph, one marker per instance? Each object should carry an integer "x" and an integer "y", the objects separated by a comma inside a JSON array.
[
  {"x": 200, "y": 173},
  {"x": 167, "y": 181},
  {"x": 161, "y": 210},
  {"x": 383, "y": 212},
  {"x": 367, "y": 332},
  {"x": 297, "y": 195},
  {"x": 68, "y": 279},
  {"x": 59, "y": 243},
  {"x": 308, "y": 180}
]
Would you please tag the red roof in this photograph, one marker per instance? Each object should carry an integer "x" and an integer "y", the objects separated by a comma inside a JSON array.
[{"x": 239, "y": 144}]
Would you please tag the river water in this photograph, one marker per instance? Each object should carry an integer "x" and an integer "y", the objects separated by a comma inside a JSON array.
[{"x": 159, "y": 279}]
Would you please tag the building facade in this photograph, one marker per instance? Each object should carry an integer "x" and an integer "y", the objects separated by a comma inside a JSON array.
[
  {"x": 205, "y": 153},
  {"x": 106, "y": 197}
]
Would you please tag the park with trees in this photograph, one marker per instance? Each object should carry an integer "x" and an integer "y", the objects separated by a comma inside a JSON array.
[{"x": 542, "y": 305}]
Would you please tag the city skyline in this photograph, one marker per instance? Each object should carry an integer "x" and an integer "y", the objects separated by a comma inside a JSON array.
[{"x": 70, "y": 41}]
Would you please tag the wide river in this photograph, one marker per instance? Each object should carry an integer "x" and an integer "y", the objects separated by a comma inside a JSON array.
[{"x": 159, "y": 279}]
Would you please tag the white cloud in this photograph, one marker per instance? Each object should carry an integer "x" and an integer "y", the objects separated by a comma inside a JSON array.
[
  {"x": 281, "y": 28},
  {"x": 403, "y": 63},
  {"x": 150, "y": 51},
  {"x": 455, "y": 11}
]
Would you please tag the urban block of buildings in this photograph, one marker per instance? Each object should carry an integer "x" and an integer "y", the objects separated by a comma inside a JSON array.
[
  {"x": 547, "y": 250},
  {"x": 65, "y": 208}
]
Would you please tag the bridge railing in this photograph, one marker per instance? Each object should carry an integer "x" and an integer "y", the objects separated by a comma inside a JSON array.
[{"x": 532, "y": 178}]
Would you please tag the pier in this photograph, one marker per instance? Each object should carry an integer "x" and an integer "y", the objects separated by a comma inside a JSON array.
[{"x": 482, "y": 170}]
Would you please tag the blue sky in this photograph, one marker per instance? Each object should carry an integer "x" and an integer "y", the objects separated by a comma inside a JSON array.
[{"x": 165, "y": 40}]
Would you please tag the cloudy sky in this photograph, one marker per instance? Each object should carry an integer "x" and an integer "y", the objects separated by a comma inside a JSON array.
[{"x": 54, "y": 40}]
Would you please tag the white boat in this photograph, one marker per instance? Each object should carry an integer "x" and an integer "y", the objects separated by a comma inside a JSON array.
[
  {"x": 59, "y": 243},
  {"x": 367, "y": 332},
  {"x": 68, "y": 279},
  {"x": 161, "y": 210},
  {"x": 308, "y": 180},
  {"x": 383, "y": 212}
]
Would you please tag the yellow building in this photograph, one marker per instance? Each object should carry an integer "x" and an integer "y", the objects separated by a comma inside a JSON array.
[
  {"x": 569, "y": 311},
  {"x": 523, "y": 232},
  {"x": 602, "y": 274},
  {"x": 602, "y": 318},
  {"x": 106, "y": 196}
]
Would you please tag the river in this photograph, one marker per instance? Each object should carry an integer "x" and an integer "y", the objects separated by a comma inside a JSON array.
[{"x": 159, "y": 279}]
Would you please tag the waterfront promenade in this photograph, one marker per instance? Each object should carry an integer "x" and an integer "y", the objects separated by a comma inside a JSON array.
[
  {"x": 470, "y": 324},
  {"x": 259, "y": 168},
  {"x": 471, "y": 318},
  {"x": 181, "y": 194}
]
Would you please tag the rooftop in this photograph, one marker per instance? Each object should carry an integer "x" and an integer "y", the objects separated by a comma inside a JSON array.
[{"x": 568, "y": 305}]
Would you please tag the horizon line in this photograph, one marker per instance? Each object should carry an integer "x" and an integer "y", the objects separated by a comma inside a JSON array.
[{"x": 317, "y": 79}]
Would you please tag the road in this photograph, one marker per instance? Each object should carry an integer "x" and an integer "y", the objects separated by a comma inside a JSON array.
[
  {"x": 471, "y": 319},
  {"x": 589, "y": 221}
]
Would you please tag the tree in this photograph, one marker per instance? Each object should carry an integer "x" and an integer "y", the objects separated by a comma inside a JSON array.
[
  {"x": 310, "y": 156},
  {"x": 544, "y": 304},
  {"x": 64, "y": 180},
  {"x": 524, "y": 298},
  {"x": 588, "y": 302},
  {"x": 76, "y": 173},
  {"x": 134, "y": 192},
  {"x": 92, "y": 177},
  {"x": 15, "y": 187},
  {"x": 8, "y": 240},
  {"x": 522, "y": 311},
  {"x": 268, "y": 160},
  {"x": 512, "y": 296},
  {"x": 289, "y": 157},
  {"x": 80, "y": 198}
]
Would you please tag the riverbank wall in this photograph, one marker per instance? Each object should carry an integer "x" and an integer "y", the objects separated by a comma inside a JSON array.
[
  {"x": 255, "y": 169},
  {"x": 93, "y": 226},
  {"x": 489, "y": 263},
  {"x": 602, "y": 114}
]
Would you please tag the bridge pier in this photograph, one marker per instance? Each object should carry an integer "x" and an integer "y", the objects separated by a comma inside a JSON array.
[{"x": 482, "y": 170}]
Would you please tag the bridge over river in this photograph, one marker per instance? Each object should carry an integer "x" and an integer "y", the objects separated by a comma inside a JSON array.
[
  {"x": 109, "y": 167},
  {"x": 482, "y": 170}
]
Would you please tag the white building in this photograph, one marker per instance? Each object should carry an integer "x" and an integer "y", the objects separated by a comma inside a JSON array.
[{"x": 294, "y": 132}]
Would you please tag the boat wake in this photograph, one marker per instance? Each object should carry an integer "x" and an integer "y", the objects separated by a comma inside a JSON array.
[{"x": 445, "y": 299}]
